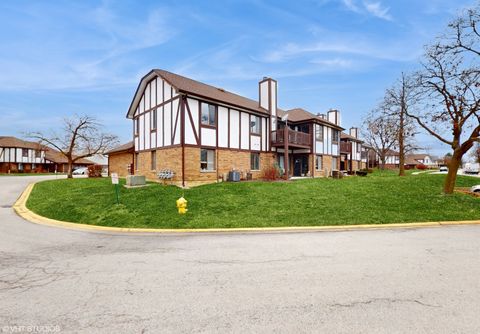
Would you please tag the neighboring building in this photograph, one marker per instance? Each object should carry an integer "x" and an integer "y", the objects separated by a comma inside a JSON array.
[
  {"x": 120, "y": 159},
  {"x": 413, "y": 160},
  {"x": 392, "y": 159},
  {"x": 21, "y": 156},
  {"x": 58, "y": 163},
  {"x": 201, "y": 132},
  {"x": 352, "y": 155}
]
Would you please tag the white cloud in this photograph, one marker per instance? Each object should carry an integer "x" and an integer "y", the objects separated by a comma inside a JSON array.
[
  {"x": 376, "y": 9},
  {"x": 368, "y": 8}
]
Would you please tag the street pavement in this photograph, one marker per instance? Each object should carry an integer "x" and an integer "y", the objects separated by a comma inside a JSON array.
[{"x": 372, "y": 281}]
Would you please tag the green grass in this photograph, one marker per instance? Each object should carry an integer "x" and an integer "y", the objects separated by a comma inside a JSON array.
[{"x": 380, "y": 198}]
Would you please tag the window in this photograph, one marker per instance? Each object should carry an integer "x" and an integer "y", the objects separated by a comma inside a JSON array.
[
  {"x": 153, "y": 160},
  {"x": 254, "y": 161},
  {"x": 136, "y": 126},
  {"x": 335, "y": 135},
  {"x": 38, "y": 154},
  {"x": 34, "y": 166},
  {"x": 208, "y": 114},
  {"x": 20, "y": 166},
  {"x": 136, "y": 161},
  {"x": 25, "y": 152},
  {"x": 255, "y": 124},
  {"x": 207, "y": 160},
  {"x": 334, "y": 163},
  {"x": 318, "y": 162},
  {"x": 319, "y": 132},
  {"x": 359, "y": 147},
  {"x": 153, "y": 120}
]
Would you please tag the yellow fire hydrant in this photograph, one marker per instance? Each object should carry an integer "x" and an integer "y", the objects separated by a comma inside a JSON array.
[{"x": 182, "y": 205}]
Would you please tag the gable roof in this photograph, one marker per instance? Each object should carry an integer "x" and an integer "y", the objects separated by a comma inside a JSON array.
[
  {"x": 299, "y": 115},
  {"x": 186, "y": 85},
  {"x": 344, "y": 135},
  {"x": 122, "y": 148},
  {"x": 57, "y": 157},
  {"x": 9, "y": 141}
]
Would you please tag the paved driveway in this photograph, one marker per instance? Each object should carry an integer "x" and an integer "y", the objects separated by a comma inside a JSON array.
[{"x": 397, "y": 281}]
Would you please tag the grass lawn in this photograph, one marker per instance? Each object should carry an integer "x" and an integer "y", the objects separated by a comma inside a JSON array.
[{"x": 379, "y": 198}]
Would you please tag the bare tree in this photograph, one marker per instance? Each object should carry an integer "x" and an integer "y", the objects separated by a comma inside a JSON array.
[
  {"x": 81, "y": 137},
  {"x": 401, "y": 97},
  {"x": 379, "y": 131},
  {"x": 450, "y": 86},
  {"x": 476, "y": 153}
]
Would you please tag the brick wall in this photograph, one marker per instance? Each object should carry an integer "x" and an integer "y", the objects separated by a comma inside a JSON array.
[
  {"x": 225, "y": 160},
  {"x": 118, "y": 162}
]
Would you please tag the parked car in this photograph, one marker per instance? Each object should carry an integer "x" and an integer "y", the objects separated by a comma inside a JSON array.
[
  {"x": 471, "y": 168},
  {"x": 444, "y": 169},
  {"x": 80, "y": 171},
  {"x": 475, "y": 189}
]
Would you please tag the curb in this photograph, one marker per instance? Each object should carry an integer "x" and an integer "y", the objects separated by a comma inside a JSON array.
[{"x": 22, "y": 210}]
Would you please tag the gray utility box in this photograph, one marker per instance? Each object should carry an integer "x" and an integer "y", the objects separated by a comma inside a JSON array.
[
  {"x": 233, "y": 176},
  {"x": 135, "y": 180}
]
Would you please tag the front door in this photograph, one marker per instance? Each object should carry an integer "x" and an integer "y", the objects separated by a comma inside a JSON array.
[{"x": 300, "y": 166}]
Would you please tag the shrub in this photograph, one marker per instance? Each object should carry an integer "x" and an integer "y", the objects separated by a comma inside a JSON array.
[
  {"x": 421, "y": 167},
  {"x": 271, "y": 173},
  {"x": 407, "y": 167},
  {"x": 95, "y": 171}
]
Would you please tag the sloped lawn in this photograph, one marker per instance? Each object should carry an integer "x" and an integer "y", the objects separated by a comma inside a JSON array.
[{"x": 378, "y": 198}]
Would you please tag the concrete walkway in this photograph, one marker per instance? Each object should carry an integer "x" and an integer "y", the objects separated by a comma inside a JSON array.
[{"x": 376, "y": 281}]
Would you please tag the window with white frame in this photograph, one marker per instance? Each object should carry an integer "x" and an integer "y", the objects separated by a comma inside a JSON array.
[
  {"x": 319, "y": 132},
  {"x": 207, "y": 160},
  {"x": 255, "y": 124},
  {"x": 254, "y": 161},
  {"x": 335, "y": 136},
  {"x": 319, "y": 162},
  {"x": 38, "y": 154},
  {"x": 137, "y": 167},
  {"x": 209, "y": 112},
  {"x": 25, "y": 152}
]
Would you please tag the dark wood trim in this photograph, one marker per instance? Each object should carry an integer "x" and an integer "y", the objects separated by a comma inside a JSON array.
[
  {"x": 159, "y": 148},
  {"x": 216, "y": 133},
  {"x": 190, "y": 117},
  {"x": 182, "y": 135},
  {"x": 171, "y": 122},
  {"x": 222, "y": 148},
  {"x": 208, "y": 126}
]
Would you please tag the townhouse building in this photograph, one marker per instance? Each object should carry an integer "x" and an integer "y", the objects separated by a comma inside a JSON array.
[{"x": 200, "y": 133}]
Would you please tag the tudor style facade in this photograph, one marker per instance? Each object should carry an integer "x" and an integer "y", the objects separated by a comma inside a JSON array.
[{"x": 200, "y": 132}]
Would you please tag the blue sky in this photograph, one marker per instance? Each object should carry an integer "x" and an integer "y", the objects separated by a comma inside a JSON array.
[{"x": 64, "y": 57}]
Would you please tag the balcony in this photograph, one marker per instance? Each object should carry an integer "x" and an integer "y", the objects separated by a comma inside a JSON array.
[
  {"x": 345, "y": 147},
  {"x": 295, "y": 138}
]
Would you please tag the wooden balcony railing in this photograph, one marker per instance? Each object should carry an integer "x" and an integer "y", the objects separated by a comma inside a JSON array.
[
  {"x": 345, "y": 147},
  {"x": 295, "y": 138}
]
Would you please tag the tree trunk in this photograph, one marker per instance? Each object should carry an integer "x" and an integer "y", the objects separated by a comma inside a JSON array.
[
  {"x": 70, "y": 169},
  {"x": 453, "y": 166},
  {"x": 401, "y": 144},
  {"x": 382, "y": 163}
]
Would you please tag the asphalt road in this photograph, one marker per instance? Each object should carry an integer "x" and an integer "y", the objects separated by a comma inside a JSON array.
[{"x": 386, "y": 281}]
